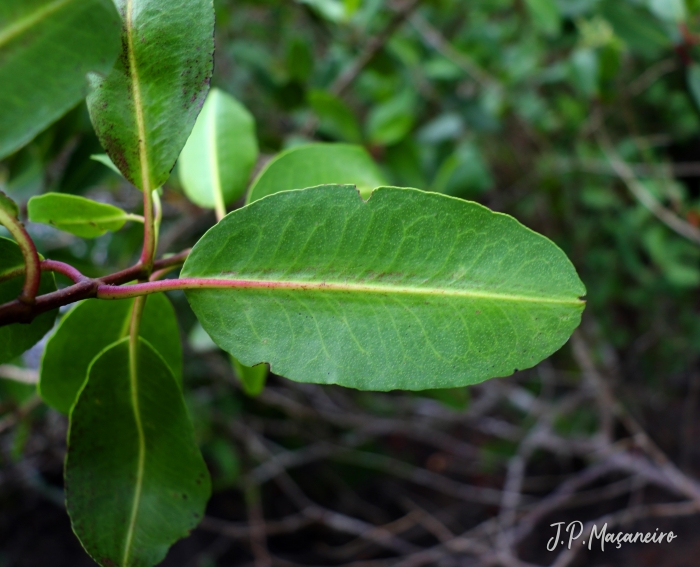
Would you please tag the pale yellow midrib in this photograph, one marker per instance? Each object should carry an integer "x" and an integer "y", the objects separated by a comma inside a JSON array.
[
  {"x": 138, "y": 103},
  {"x": 133, "y": 344},
  {"x": 133, "y": 385},
  {"x": 219, "y": 204},
  {"x": 99, "y": 220},
  {"x": 23, "y": 24},
  {"x": 338, "y": 286}
]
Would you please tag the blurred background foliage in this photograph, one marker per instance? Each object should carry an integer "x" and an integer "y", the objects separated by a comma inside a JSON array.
[{"x": 553, "y": 111}]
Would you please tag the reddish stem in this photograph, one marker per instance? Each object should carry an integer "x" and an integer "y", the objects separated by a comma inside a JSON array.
[
  {"x": 32, "y": 277},
  {"x": 62, "y": 268},
  {"x": 16, "y": 311}
]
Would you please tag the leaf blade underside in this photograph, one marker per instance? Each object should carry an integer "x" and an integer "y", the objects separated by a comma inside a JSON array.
[
  {"x": 144, "y": 110},
  {"x": 40, "y": 82},
  {"x": 75, "y": 214},
  {"x": 317, "y": 164},
  {"x": 408, "y": 290},
  {"x": 90, "y": 327},
  {"x": 220, "y": 154},
  {"x": 135, "y": 479}
]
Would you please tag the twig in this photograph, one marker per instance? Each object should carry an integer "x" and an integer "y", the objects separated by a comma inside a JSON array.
[
  {"x": 642, "y": 194},
  {"x": 23, "y": 375}
]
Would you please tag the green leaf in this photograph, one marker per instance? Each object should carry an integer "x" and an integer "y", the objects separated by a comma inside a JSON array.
[
  {"x": 585, "y": 71},
  {"x": 693, "y": 78},
  {"x": 252, "y": 378},
  {"x": 545, "y": 15},
  {"x": 80, "y": 216},
  {"x": 464, "y": 173},
  {"x": 135, "y": 479},
  {"x": 47, "y": 49},
  {"x": 104, "y": 160},
  {"x": 317, "y": 164},
  {"x": 408, "y": 290},
  {"x": 18, "y": 337},
  {"x": 335, "y": 117},
  {"x": 9, "y": 206},
  {"x": 215, "y": 165},
  {"x": 92, "y": 326},
  {"x": 390, "y": 122},
  {"x": 144, "y": 110},
  {"x": 669, "y": 10}
]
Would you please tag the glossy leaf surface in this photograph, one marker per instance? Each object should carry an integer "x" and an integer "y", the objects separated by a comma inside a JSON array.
[
  {"x": 90, "y": 327},
  {"x": 47, "y": 48},
  {"x": 144, "y": 110},
  {"x": 408, "y": 290},
  {"x": 18, "y": 337},
  {"x": 318, "y": 164},
  {"x": 135, "y": 479},
  {"x": 80, "y": 216},
  {"x": 217, "y": 160}
]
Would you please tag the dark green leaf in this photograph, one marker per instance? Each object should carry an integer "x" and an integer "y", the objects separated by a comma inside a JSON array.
[
  {"x": 135, "y": 479},
  {"x": 391, "y": 121},
  {"x": 77, "y": 215},
  {"x": 47, "y": 48},
  {"x": 694, "y": 82},
  {"x": 408, "y": 290},
  {"x": 18, "y": 337},
  {"x": 215, "y": 164},
  {"x": 335, "y": 117},
  {"x": 317, "y": 164},
  {"x": 92, "y": 326},
  {"x": 144, "y": 110}
]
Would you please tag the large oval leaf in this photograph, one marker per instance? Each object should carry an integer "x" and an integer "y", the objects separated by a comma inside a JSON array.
[
  {"x": 408, "y": 290},
  {"x": 216, "y": 162},
  {"x": 318, "y": 164},
  {"x": 144, "y": 110},
  {"x": 18, "y": 337},
  {"x": 47, "y": 48},
  {"x": 135, "y": 479},
  {"x": 80, "y": 216},
  {"x": 90, "y": 327}
]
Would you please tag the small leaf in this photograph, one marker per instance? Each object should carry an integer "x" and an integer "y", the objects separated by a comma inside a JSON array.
[
  {"x": 317, "y": 164},
  {"x": 545, "y": 14},
  {"x": 92, "y": 326},
  {"x": 135, "y": 479},
  {"x": 47, "y": 49},
  {"x": 252, "y": 378},
  {"x": 335, "y": 117},
  {"x": 215, "y": 164},
  {"x": 104, "y": 160},
  {"x": 9, "y": 206},
  {"x": 18, "y": 337},
  {"x": 390, "y": 122},
  {"x": 144, "y": 110},
  {"x": 80, "y": 216},
  {"x": 407, "y": 290}
]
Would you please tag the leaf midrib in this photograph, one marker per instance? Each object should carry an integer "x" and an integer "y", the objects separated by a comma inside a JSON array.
[
  {"x": 91, "y": 221},
  {"x": 23, "y": 24},
  {"x": 138, "y": 104},
  {"x": 140, "y": 466},
  {"x": 214, "y": 283}
]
